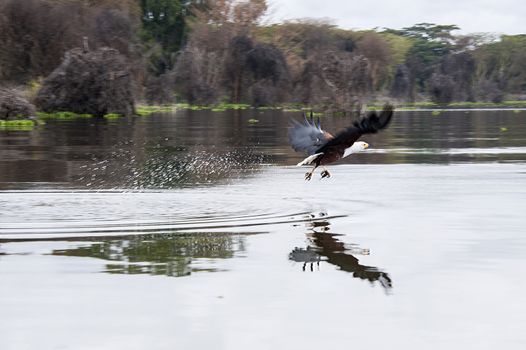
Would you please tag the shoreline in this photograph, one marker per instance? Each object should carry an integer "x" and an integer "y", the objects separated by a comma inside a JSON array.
[{"x": 146, "y": 110}]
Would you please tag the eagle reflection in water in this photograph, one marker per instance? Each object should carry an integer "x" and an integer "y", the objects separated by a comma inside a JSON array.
[{"x": 325, "y": 246}]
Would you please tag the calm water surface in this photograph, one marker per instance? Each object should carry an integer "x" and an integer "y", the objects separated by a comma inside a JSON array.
[{"x": 193, "y": 230}]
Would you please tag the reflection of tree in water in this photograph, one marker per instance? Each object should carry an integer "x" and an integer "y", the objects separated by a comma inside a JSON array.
[
  {"x": 326, "y": 247},
  {"x": 170, "y": 255}
]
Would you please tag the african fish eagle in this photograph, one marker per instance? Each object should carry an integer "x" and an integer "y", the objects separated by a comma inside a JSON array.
[{"x": 323, "y": 148}]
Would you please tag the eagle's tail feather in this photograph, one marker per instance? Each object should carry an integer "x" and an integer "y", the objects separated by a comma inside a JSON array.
[{"x": 309, "y": 160}]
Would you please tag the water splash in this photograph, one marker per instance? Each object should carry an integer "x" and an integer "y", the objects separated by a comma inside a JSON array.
[{"x": 169, "y": 168}]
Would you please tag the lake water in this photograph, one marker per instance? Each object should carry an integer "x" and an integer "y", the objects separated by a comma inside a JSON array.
[{"x": 194, "y": 230}]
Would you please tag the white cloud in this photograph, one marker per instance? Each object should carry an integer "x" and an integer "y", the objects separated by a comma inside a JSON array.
[{"x": 504, "y": 16}]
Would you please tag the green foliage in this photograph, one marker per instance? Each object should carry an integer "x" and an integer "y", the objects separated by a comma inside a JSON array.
[
  {"x": 17, "y": 125},
  {"x": 233, "y": 106},
  {"x": 399, "y": 46},
  {"x": 226, "y": 106},
  {"x": 62, "y": 115},
  {"x": 428, "y": 32},
  {"x": 197, "y": 107},
  {"x": 266, "y": 108},
  {"x": 147, "y": 110},
  {"x": 504, "y": 62},
  {"x": 430, "y": 43},
  {"x": 112, "y": 116},
  {"x": 164, "y": 23},
  {"x": 455, "y": 105},
  {"x": 294, "y": 107},
  {"x": 273, "y": 64},
  {"x": 144, "y": 111}
]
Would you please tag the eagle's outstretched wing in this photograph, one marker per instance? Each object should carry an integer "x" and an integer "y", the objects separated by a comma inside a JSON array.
[
  {"x": 370, "y": 124},
  {"x": 307, "y": 136}
]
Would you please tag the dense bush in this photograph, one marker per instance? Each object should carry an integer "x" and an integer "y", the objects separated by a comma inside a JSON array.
[
  {"x": 218, "y": 51},
  {"x": 94, "y": 82}
]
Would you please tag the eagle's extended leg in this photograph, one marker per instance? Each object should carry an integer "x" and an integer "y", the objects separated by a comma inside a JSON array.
[
  {"x": 308, "y": 175},
  {"x": 325, "y": 173}
]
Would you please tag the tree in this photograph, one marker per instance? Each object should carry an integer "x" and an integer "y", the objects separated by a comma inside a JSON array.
[
  {"x": 375, "y": 48},
  {"x": 460, "y": 67},
  {"x": 503, "y": 64},
  {"x": 441, "y": 88},
  {"x": 428, "y": 32},
  {"x": 235, "y": 65},
  {"x": 401, "y": 87},
  {"x": 163, "y": 22},
  {"x": 94, "y": 82},
  {"x": 255, "y": 72},
  {"x": 35, "y": 34},
  {"x": 198, "y": 75},
  {"x": 431, "y": 42},
  {"x": 215, "y": 62},
  {"x": 243, "y": 14}
]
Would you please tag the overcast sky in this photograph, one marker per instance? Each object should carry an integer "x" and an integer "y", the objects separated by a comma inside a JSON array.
[{"x": 498, "y": 16}]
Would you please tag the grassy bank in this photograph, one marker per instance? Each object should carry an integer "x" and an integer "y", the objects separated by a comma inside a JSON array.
[
  {"x": 19, "y": 124},
  {"x": 144, "y": 111},
  {"x": 460, "y": 105}
]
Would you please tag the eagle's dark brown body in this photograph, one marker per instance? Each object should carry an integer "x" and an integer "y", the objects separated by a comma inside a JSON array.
[{"x": 332, "y": 155}]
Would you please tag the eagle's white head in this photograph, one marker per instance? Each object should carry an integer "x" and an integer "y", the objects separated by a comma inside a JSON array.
[{"x": 355, "y": 148}]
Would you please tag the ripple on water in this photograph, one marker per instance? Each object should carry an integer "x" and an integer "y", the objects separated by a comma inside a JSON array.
[{"x": 62, "y": 214}]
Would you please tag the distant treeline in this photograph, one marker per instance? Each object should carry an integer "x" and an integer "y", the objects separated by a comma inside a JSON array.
[{"x": 205, "y": 52}]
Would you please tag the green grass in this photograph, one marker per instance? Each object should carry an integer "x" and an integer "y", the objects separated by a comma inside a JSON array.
[
  {"x": 232, "y": 106},
  {"x": 17, "y": 125},
  {"x": 229, "y": 106},
  {"x": 221, "y": 107},
  {"x": 112, "y": 116},
  {"x": 198, "y": 108},
  {"x": 265, "y": 108},
  {"x": 454, "y": 105},
  {"x": 145, "y": 111},
  {"x": 191, "y": 107},
  {"x": 298, "y": 107},
  {"x": 62, "y": 115}
]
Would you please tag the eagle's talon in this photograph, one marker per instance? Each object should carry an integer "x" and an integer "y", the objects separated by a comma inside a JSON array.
[
  {"x": 308, "y": 176},
  {"x": 325, "y": 174}
]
